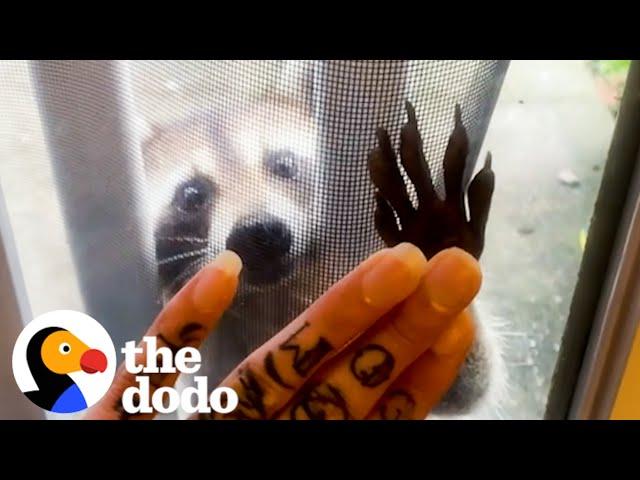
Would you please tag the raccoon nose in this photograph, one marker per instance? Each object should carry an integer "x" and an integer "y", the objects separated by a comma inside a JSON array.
[{"x": 259, "y": 240}]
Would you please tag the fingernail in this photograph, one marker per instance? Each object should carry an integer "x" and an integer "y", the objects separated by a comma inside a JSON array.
[
  {"x": 205, "y": 297},
  {"x": 452, "y": 281},
  {"x": 395, "y": 276},
  {"x": 229, "y": 262}
]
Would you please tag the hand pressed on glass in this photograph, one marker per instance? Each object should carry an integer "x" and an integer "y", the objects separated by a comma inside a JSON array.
[{"x": 385, "y": 342}]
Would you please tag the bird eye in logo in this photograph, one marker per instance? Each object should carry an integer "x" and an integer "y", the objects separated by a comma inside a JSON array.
[{"x": 64, "y": 361}]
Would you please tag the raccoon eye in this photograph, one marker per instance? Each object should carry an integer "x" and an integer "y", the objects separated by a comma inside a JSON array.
[
  {"x": 282, "y": 163},
  {"x": 192, "y": 195}
]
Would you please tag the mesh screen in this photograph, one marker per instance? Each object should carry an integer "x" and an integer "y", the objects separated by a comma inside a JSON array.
[{"x": 160, "y": 165}]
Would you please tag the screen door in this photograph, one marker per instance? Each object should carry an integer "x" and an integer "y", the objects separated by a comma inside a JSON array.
[{"x": 101, "y": 161}]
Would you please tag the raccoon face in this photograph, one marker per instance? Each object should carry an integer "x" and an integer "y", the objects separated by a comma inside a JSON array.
[
  {"x": 250, "y": 181},
  {"x": 250, "y": 184}
]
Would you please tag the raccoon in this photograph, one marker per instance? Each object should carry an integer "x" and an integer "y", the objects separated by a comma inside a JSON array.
[{"x": 193, "y": 168}]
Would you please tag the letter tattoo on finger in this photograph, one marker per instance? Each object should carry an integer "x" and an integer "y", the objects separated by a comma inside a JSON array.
[{"x": 372, "y": 365}]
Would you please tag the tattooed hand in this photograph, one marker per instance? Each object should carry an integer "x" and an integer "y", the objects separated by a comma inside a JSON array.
[
  {"x": 435, "y": 224},
  {"x": 385, "y": 342}
]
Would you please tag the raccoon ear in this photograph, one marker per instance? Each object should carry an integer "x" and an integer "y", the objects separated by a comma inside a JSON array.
[
  {"x": 147, "y": 134},
  {"x": 296, "y": 81},
  {"x": 143, "y": 129}
]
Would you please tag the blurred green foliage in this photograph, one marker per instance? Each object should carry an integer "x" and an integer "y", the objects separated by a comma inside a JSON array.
[
  {"x": 612, "y": 67},
  {"x": 614, "y": 73}
]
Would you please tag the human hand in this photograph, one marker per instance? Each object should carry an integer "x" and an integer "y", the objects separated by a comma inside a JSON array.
[{"x": 385, "y": 342}]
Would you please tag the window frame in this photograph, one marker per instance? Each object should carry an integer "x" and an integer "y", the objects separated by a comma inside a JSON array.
[
  {"x": 15, "y": 312},
  {"x": 605, "y": 309}
]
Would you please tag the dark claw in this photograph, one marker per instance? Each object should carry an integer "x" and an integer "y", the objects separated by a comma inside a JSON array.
[
  {"x": 435, "y": 225},
  {"x": 385, "y": 143},
  {"x": 458, "y": 115},
  {"x": 385, "y": 175},
  {"x": 455, "y": 160},
  {"x": 480, "y": 194},
  {"x": 412, "y": 158},
  {"x": 385, "y": 222},
  {"x": 411, "y": 113}
]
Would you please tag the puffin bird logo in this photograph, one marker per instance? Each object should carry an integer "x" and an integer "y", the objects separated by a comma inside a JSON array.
[
  {"x": 52, "y": 354},
  {"x": 64, "y": 361}
]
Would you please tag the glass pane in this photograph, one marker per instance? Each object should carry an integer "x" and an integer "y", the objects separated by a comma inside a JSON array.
[
  {"x": 29, "y": 189},
  {"x": 549, "y": 134}
]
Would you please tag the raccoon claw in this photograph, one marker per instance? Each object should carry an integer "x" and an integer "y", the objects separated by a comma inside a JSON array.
[
  {"x": 386, "y": 175},
  {"x": 385, "y": 222},
  {"x": 412, "y": 158},
  {"x": 435, "y": 224},
  {"x": 455, "y": 158}
]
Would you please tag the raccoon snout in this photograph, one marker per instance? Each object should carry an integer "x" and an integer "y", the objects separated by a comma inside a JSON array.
[
  {"x": 269, "y": 238},
  {"x": 262, "y": 244}
]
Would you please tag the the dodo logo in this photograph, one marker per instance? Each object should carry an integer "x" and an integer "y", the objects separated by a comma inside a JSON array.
[{"x": 64, "y": 361}]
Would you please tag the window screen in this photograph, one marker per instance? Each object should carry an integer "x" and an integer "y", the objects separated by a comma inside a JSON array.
[{"x": 123, "y": 178}]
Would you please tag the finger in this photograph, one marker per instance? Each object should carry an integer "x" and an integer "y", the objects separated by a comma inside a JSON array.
[
  {"x": 455, "y": 159},
  {"x": 185, "y": 321},
  {"x": 351, "y": 384},
  {"x": 271, "y": 375},
  {"x": 412, "y": 158},
  {"x": 425, "y": 382},
  {"x": 385, "y": 175},
  {"x": 385, "y": 222},
  {"x": 480, "y": 194}
]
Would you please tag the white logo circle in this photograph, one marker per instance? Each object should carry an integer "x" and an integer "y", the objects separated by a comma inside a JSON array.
[{"x": 64, "y": 361}]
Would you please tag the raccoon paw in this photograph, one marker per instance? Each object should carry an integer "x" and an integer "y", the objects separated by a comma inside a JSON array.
[{"x": 436, "y": 224}]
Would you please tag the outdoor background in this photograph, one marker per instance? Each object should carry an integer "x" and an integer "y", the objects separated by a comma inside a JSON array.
[{"x": 549, "y": 137}]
